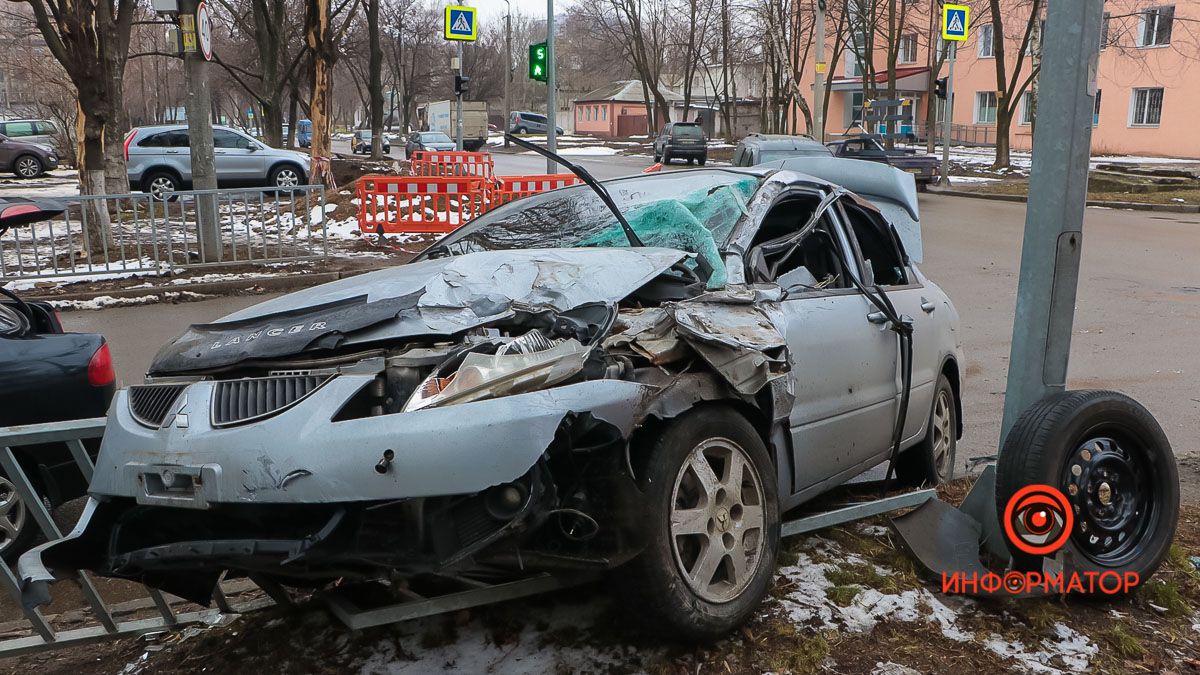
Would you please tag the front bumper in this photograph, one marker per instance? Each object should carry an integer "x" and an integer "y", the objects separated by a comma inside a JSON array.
[{"x": 297, "y": 465}]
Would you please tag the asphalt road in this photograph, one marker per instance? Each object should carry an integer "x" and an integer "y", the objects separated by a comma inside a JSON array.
[{"x": 1139, "y": 299}]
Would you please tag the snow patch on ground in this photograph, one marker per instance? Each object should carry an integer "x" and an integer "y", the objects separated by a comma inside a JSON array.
[
  {"x": 594, "y": 150},
  {"x": 105, "y": 301},
  {"x": 145, "y": 267},
  {"x": 971, "y": 179},
  {"x": 808, "y": 603}
]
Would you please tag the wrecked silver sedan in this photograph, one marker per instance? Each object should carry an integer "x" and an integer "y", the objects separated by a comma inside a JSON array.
[{"x": 558, "y": 385}]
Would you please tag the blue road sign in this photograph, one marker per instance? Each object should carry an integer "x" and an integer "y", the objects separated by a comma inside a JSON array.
[
  {"x": 461, "y": 24},
  {"x": 955, "y": 22}
]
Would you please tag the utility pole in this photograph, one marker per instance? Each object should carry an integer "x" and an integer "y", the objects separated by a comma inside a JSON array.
[
  {"x": 200, "y": 133},
  {"x": 819, "y": 80},
  {"x": 1041, "y": 343},
  {"x": 947, "y": 116},
  {"x": 458, "y": 114},
  {"x": 551, "y": 103},
  {"x": 507, "y": 66}
]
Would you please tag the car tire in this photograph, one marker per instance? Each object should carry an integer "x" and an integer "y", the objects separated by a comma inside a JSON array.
[
  {"x": 931, "y": 462},
  {"x": 666, "y": 157},
  {"x": 703, "y": 160},
  {"x": 520, "y": 130},
  {"x": 657, "y": 157},
  {"x": 286, "y": 176},
  {"x": 691, "y": 160},
  {"x": 158, "y": 182},
  {"x": 666, "y": 583},
  {"x": 1106, "y": 445},
  {"x": 28, "y": 166},
  {"x": 18, "y": 529}
]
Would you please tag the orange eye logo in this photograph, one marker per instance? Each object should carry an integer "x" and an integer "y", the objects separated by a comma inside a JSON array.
[{"x": 1038, "y": 519}]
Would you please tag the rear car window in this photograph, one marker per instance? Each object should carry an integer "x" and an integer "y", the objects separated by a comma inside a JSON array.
[
  {"x": 165, "y": 139},
  {"x": 687, "y": 131},
  {"x": 18, "y": 129}
]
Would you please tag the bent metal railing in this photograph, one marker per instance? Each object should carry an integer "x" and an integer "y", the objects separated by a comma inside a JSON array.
[{"x": 42, "y": 634}]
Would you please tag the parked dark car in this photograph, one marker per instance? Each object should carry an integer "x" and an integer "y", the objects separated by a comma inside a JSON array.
[
  {"x": 681, "y": 140},
  {"x": 361, "y": 143},
  {"x": 26, "y": 159},
  {"x": 46, "y": 375},
  {"x": 757, "y": 149},
  {"x": 427, "y": 140},
  {"x": 923, "y": 167}
]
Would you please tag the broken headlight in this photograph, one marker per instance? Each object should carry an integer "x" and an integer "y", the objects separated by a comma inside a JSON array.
[{"x": 527, "y": 363}]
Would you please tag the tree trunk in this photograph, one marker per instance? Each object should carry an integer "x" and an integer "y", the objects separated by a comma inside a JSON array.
[
  {"x": 317, "y": 35},
  {"x": 293, "y": 118},
  {"x": 272, "y": 121},
  {"x": 375, "y": 81},
  {"x": 116, "y": 178},
  {"x": 97, "y": 235},
  {"x": 1003, "y": 125}
]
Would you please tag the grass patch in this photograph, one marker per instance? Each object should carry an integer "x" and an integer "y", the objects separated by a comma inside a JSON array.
[
  {"x": 884, "y": 554},
  {"x": 1166, "y": 594},
  {"x": 1124, "y": 643},
  {"x": 842, "y": 596},
  {"x": 805, "y": 656}
]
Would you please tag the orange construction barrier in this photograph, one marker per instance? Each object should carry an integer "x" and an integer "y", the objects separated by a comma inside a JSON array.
[
  {"x": 505, "y": 189},
  {"x": 434, "y": 204},
  {"x": 450, "y": 163}
]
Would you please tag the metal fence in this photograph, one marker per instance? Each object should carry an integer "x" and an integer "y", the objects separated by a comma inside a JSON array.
[
  {"x": 961, "y": 134},
  {"x": 42, "y": 634},
  {"x": 109, "y": 234}
]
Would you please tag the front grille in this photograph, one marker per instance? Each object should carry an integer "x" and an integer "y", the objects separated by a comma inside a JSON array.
[
  {"x": 149, "y": 403},
  {"x": 239, "y": 401}
]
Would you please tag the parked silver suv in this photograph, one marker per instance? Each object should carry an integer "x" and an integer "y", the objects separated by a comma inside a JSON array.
[{"x": 159, "y": 160}]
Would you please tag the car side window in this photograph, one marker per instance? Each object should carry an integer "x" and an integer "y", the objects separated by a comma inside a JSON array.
[
  {"x": 46, "y": 128},
  {"x": 227, "y": 139},
  {"x": 18, "y": 129},
  {"x": 876, "y": 245},
  {"x": 778, "y": 254}
]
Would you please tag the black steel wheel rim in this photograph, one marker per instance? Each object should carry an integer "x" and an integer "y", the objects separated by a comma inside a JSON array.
[{"x": 1109, "y": 480}]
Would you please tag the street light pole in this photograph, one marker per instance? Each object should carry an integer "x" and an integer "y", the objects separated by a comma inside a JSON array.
[
  {"x": 200, "y": 141},
  {"x": 507, "y": 65},
  {"x": 551, "y": 103},
  {"x": 458, "y": 113},
  {"x": 947, "y": 116},
  {"x": 819, "y": 80}
]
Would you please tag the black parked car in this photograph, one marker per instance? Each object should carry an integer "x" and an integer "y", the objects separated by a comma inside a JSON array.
[
  {"x": 681, "y": 140},
  {"x": 361, "y": 143},
  {"x": 46, "y": 375}
]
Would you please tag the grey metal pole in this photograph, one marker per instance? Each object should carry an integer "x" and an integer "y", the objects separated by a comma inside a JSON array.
[
  {"x": 507, "y": 65},
  {"x": 551, "y": 103},
  {"x": 458, "y": 114},
  {"x": 819, "y": 80},
  {"x": 1041, "y": 344},
  {"x": 948, "y": 117},
  {"x": 200, "y": 144}
]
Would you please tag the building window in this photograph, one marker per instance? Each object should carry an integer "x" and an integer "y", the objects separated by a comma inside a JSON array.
[
  {"x": 908, "y": 48},
  {"x": 1155, "y": 26},
  {"x": 1147, "y": 107},
  {"x": 986, "y": 46},
  {"x": 985, "y": 107},
  {"x": 1096, "y": 110},
  {"x": 1026, "y": 108},
  {"x": 856, "y": 108},
  {"x": 604, "y": 113},
  {"x": 1104, "y": 30}
]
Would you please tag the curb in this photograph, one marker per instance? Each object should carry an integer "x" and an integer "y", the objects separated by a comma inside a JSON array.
[
  {"x": 212, "y": 288},
  {"x": 1130, "y": 206}
]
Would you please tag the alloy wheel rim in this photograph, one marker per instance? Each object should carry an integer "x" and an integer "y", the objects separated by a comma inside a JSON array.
[
  {"x": 942, "y": 434},
  {"x": 12, "y": 513},
  {"x": 717, "y": 520},
  {"x": 1107, "y": 482},
  {"x": 287, "y": 178},
  {"x": 161, "y": 186},
  {"x": 27, "y": 167}
]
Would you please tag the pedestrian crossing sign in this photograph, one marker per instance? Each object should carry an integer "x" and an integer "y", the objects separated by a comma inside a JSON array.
[
  {"x": 460, "y": 23},
  {"x": 955, "y": 20}
]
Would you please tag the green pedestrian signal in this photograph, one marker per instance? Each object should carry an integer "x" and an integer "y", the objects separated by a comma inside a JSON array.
[{"x": 538, "y": 57}]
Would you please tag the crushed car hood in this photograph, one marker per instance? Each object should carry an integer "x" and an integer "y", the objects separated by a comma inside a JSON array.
[{"x": 439, "y": 297}]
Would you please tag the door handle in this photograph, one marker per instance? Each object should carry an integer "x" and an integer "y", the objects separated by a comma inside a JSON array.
[
  {"x": 877, "y": 317},
  {"x": 927, "y": 306}
]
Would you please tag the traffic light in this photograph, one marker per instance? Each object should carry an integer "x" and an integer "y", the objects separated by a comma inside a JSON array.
[
  {"x": 939, "y": 87},
  {"x": 460, "y": 85},
  {"x": 538, "y": 58}
]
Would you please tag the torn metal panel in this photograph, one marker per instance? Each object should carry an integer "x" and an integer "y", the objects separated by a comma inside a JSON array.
[{"x": 733, "y": 325}]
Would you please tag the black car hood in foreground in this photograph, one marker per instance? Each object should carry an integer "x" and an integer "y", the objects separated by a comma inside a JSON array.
[{"x": 439, "y": 297}]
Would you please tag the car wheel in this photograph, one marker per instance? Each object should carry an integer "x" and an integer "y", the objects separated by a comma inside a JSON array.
[
  {"x": 27, "y": 166},
  {"x": 666, "y": 157},
  {"x": 1112, "y": 462},
  {"x": 286, "y": 176},
  {"x": 17, "y": 526},
  {"x": 931, "y": 462},
  {"x": 702, "y": 160},
  {"x": 657, "y": 157},
  {"x": 160, "y": 183},
  {"x": 521, "y": 130},
  {"x": 712, "y": 527}
]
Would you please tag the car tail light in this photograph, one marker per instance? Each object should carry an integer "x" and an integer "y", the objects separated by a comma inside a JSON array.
[
  {"x": 100, "y": 368},
  {"x": 128, "y": 138}
]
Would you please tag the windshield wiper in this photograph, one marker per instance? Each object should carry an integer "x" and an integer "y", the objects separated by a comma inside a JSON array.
[{"x": 587, "y": 179}]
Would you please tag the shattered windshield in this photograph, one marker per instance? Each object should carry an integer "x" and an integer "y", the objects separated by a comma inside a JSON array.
[{"x": 693, "y": 211}]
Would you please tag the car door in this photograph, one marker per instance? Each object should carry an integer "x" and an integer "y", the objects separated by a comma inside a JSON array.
[
  {"x": 843, "y": 365},
  {"x": 236, "y": 161},
  {"x": 882, "y": 257},
  {"x": 7, "y": 155}
]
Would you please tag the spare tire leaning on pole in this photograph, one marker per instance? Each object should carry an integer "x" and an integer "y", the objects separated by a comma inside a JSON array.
[{"x": 1111, "y": 460}]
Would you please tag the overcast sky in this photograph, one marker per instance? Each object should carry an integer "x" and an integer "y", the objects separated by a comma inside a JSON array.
[{"x": 493, "y": 10}]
